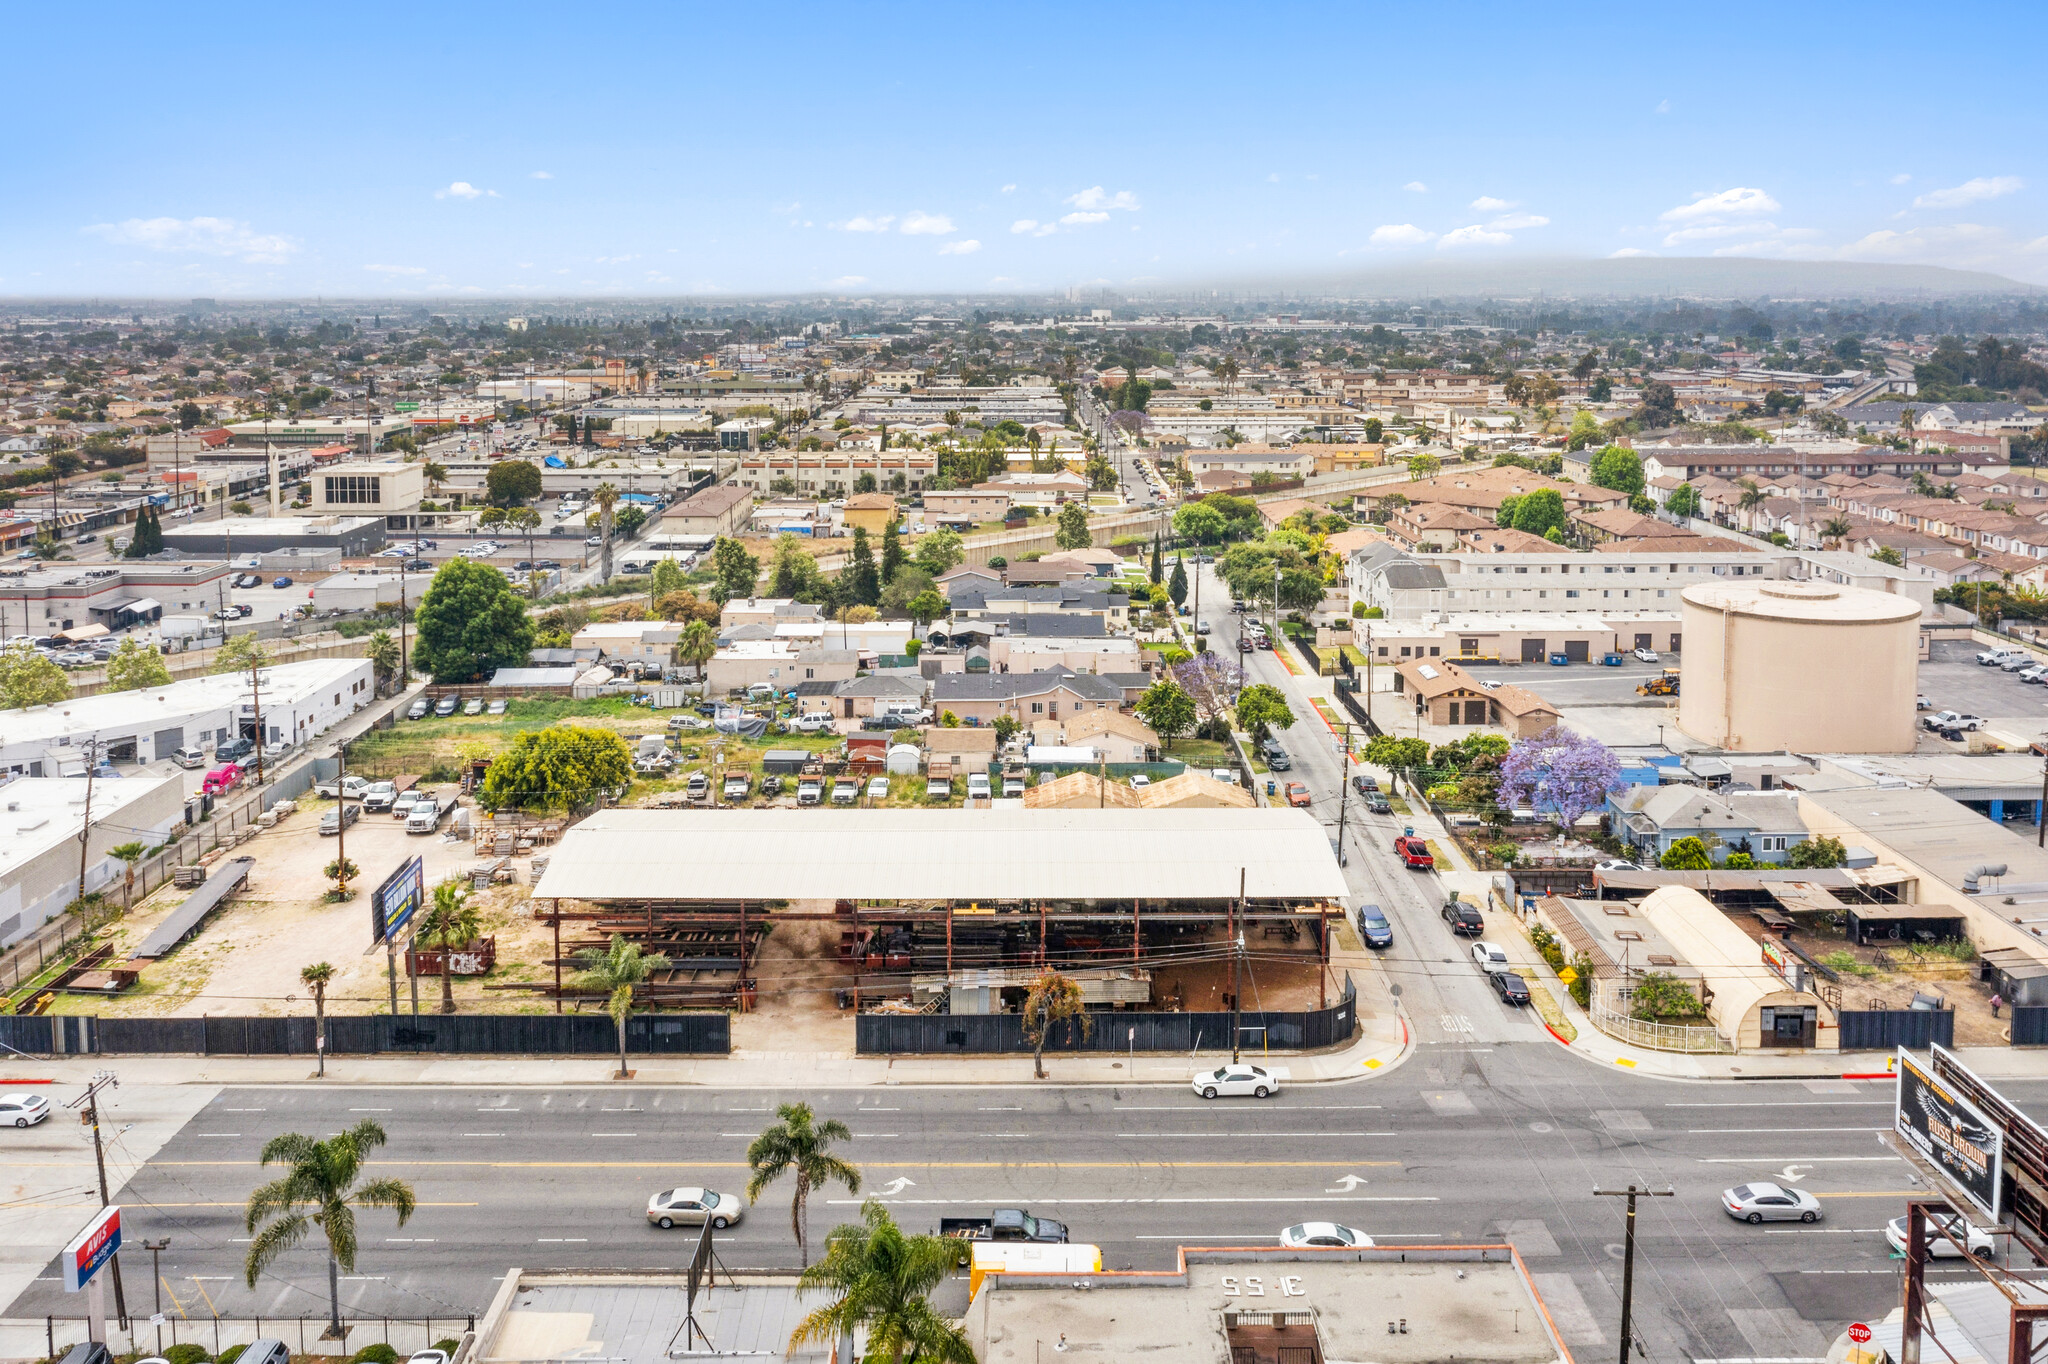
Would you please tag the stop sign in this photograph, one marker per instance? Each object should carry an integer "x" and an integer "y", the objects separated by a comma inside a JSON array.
[{"x": 1859, "y": 1333}]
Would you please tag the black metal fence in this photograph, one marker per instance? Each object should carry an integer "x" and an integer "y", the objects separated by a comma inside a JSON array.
[
  {"x": 936, "y": 1034},
  {"x": 1884, "y": 1029},
  {"x": 688, "y": 1034},
  {"x": 2030, "y": 1027}
]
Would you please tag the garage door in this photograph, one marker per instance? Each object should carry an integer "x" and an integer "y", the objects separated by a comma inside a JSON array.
[
  {"x": 1674, "y": 643},
  {"x": 1577, "y": 650},
  {"x": 168, "y": 741},
  {"x": 1532, "y": 651},
  {"x": 1643, "y": 642}
]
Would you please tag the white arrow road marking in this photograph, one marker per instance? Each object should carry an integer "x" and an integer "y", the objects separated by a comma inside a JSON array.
[
  {"x": 1346, "y": 1184},
  {"x": 894, "y": 1186},
  {"x": 1790, "y": 1174}
]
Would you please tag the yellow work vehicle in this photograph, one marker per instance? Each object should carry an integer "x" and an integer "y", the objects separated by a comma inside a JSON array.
[{"x": 1664, "y": 684}]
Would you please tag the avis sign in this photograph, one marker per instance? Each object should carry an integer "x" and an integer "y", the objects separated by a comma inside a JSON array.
[
  {"x": 93, "y": 1248},
  {"x": 1950, "y": 1133}
]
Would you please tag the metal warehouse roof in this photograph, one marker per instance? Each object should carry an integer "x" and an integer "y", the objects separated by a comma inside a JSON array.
[{"x": 962, "y": 855}]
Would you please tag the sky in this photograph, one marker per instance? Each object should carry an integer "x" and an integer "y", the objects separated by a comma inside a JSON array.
[{"x": 528, "y": 151}]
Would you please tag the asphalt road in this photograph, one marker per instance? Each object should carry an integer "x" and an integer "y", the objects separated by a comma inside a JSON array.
[{"x": 1463, "y": 1142}]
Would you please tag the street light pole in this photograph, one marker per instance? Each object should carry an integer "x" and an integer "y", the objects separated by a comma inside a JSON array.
[
  {"x": 156, "y": 1248},
  {"x": 1628, "y": 1257}
]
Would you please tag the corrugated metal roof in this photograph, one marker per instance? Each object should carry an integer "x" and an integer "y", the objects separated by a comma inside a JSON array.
[{"x": 963, "y": 855}]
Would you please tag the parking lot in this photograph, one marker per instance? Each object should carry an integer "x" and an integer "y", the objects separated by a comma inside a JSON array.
[
  {"x": 1579, "y": 684},
  {"x": 1952, "y": 679}
]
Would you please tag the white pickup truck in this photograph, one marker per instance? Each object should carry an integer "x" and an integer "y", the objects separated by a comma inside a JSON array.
[
  {"x": 425, "y": 815},
  {"x": 352, "y": 787}
]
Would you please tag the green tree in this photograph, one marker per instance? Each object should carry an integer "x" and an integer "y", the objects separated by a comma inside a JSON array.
[
  {"x": 1374, "y": 430},
  {"x": 1054, "y": 996},
  {"x": 512, "y": 482},
  {"x": 1073, "y": 530},
  {"x": 630, "y": 518},
  {"x": 1156, "y": 575},
  {"x": 798, "y": 1145},
  {"x": 795, "y": 574},
  {"x": 926, "y": 607},
  {"x": 616, "y": 970},
  {"x": 861, "y": 583},
  {"x": 1686, "y": 854},
  {"x": 471, "y": 623},
  {"x": 450, "y": 922},
  {"x": 1261, "y": 709},
  {"x": 321, "y": 1188},
  {"x": 1006, "y": 727},
  {"x": 316, "y": 978},
  {"x": 1684, "y": 501},
  {"x": 910, "y": 582},
  {"x": 136, "y": 665},
  {"x": 1423, "y": 466},
  {"x": 940, "y": 550},
  {"x": 130, "y": 854},
  {"x": 1817, "y": 852},
  {"x": 892, "y": 550},
  {"x": 1168, "y": 709},
  {"x": 669, "y": 577},
  {"x": 239, "y": 654},
  {"x": 1540, "y": 512},
  {"x": 558, "y": 768},
  {"x": 879, "y": 1281},
  {"x": 1200, "y": 522},
  {"x": 1177, "y": 585},
  {"x": 1396, "y": 754},
  {"x": 737, "y": 570},
  {"x": 1619, "y": 468},
  {"x": 1886, "y": 554},
  {"x": 382, "y": 651},
  {"x": 148, "y": 538},
  {"x": 606, "y": 499},
  {"x": 698, "y": 644}
]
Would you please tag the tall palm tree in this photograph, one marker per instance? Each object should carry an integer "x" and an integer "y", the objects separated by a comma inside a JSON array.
[
  {"x": 698, "y": 643},
  {"x": 800, "y": 1145},
  {"x": 450, "y": 922},
  {"x": 1834, "y": 529},
  {"x": 606, "y": 497},
  {"x": 320, "y": 1190},
  {"x": 616, "y": 970},
  {"x": 880, "y": 1280},
  {"x": 315, "y": 978}
]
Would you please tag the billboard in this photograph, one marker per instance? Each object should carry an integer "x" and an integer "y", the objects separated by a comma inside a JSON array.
[
  {"x": 93, "y": 1248},
  {"x": 397, "y": 900},
  {"x": 1950, "y": 1133}
]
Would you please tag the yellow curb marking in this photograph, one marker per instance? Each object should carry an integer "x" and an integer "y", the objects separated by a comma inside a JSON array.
[{"x": 1624, "y": 1061}]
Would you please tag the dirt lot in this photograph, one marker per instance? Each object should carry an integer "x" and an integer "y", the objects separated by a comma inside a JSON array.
[{"x": 1888, "y": 977}]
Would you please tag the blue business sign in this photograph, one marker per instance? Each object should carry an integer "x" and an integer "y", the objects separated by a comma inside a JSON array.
[
  {"x": 93, "y": 1248},
  {"x": 397, "y": 900}
]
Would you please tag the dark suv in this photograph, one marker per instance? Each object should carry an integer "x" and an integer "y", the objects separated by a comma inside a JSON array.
[
  {"x": 1463, "y": 919},
  {"x": 1374, "y": 928}
]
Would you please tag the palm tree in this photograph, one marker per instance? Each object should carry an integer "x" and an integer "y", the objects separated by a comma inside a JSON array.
[
  {"x": 606, "y": 497},
  {"x": 383, "y": 655},
  {"x": 616, "y": 970},
  {"x": 450, "y": 922},
  {"x": 321, "y": 1190},
  {"x": 801, "y": 1145},
  {"x": 1834, "y": 529},
  {"x": 315, "y": 978},
  {"x": 131, "y": 853},
  {"x": 880, "y": 1280},
  {"x": 698, "y": 643}
]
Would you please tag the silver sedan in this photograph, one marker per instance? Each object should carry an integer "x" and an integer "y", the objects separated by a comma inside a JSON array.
[{"x": 1753, "y": 1203}]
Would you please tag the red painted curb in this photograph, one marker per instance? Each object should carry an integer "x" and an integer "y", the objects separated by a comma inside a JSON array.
[
  {"x": 1555, "y": 1033},
  {"x": 27, "y": 1082}
]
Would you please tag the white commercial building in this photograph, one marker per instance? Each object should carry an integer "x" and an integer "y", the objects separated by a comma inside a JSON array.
[
  {"x": 298, "y": 701},
  {"x": 39, "y": 841}
]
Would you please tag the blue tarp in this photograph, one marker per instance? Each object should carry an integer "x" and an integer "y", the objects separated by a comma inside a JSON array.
[{"x": 555, "y": 462}]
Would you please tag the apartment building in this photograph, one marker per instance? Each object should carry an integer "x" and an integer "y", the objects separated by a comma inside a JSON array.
[
  {"x": 1405, "y": 587},
  {"x": 831, "y": 473}
]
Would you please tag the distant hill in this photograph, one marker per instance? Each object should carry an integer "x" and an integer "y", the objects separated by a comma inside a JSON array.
[{"x": 1644, "y": 277}]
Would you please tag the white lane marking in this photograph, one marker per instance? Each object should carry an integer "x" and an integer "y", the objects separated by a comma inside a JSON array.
[
  {"x": 1013, "y": 1108},
  {"x": 1825, "y": 1231},
  {"x": 614, "y": 1134},
  {"x": 409, "y": 1240},
  {"x": 1794, "y": 1103},
  {"x": 746, "y": 1110},
  {"x": 1131, "y": 1135},
  {"x": 956, "y": 1202},
  {"x": 1803, "y": 1160},
  {"x": 245, "y": 1110},
  {"x": 497, "y": 1110},
  {"x": 622, "y": 1110},
  {"x": 879, "y": 1110},
  {"x": 560, "y": 1240},
  {"x": 1211, "y": 1108},
  {"x": 1766, "y": 1131},
  {"x": 220, "y": 1134},
  {"x": 369, "y": 1110},
  {"x": 483, "y": 1134}
]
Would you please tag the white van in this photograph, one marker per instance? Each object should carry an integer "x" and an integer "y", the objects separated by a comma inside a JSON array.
[{"x": 977, "y": 786}]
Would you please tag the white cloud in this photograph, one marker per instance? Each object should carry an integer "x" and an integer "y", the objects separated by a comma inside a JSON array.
[
  {"x": 198, "y": 236},
  {"x": 1076, "y": 219},
  {"x": 1033, "y": 227},
  {"x": 1901, "y": 178},
  {"x": 1089, "y": 199},
  {"x": 1008, "y": 189},
  {"x": 1628, "y": 251},
  {"x": 922, "y": 224},
  {"x": 1970, "y": 192},
  {"x": 878, "y": 223},
  {"x": 1663, "y": 107},
  {"x": 1416, "y": 187},
  {"x": 966, "y": 248},
  {"x": 1399, "y": 234},
  {"x": 1486, "y": 203},
  {"x": 1475, "y": 235},
  {"x": 462, "y": 189},
  {"x": 1515, "y": 221},
  {"x": 541, "y": 175},
  {"x": 1712, "y": 231},
  {"x": 397, "y": 269},
  {"x": 1728, "y": 203}
]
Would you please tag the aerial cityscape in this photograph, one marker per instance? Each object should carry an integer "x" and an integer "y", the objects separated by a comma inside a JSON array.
[{"x": 654, "y": 709}]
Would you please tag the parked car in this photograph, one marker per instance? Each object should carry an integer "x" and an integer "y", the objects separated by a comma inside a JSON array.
[
  {"x": 1374, "y": 928},
  {"x": 1307, "y": 1234},
  {"x": 1992, "y": 658},
  {"x": 380, "y": 797},
  {"x": 1465, "y": 920},
  {"x": 694, "y": 1207},
  {"x": 402, "y": 804},
  {"x": 1363, "y": 784},
  {"x": 339, "y": 818},
  {"x": 280, "y": 581},
  {"x": 1377, "y": 804},
  {"x": 1237, "y": 1079},
  {"x": 355, "y": 788},
  {"x": 1298, "y": 795},
  {"x": 878, "y": 788},
  {"x": 425, "y": 815},
  {"x": 2033, "y": 673},
  {"x": 445, "y": 707},
  {"x": 498, "y": 707},
  {"x": 977, "y": 786},
  {"x": 1980, "y": 1242},
  {"x": 234, "y": 750},
  {"x": 1616, "y": 864},
  {"x": 1244, "y": 644},
  {"x": 1276, "y": 758},
  {"x": 1645, "y": 655},
  {"x": 188, "y": 757},
  {"x": 1414, "y": 853},
  {"x": 1511, "y": 988},
  {"x": 1489, "y": 958},
  {"x": 1955, "y": 720},
  {"x": 23, "y": 1110},
  {"x": 418, "y": 709},
  {"x": 812, "y": 722},
  {"x": 475, "y": 706},
  {"x": 1754, "y": 1203},
  {"x": 221, "y": 779},
  {"x": 1005, "y": 1224}
]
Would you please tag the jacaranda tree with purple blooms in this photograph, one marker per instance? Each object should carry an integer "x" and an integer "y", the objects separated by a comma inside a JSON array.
[{"x": 1558, "y": 773}]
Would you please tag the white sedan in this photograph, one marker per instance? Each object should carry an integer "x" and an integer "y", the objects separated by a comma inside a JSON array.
[
  {"x": 1323, "y": 1234},
  {"x": 1980, "y": 1240},
  {"x": 1242, "y": 1078},
  {"x": 1489, "y": 958},
  {"x": 1646, "y": 655}
]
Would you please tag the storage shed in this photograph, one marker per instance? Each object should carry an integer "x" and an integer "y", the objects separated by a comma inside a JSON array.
[{"x": 1748, "y": 1002}]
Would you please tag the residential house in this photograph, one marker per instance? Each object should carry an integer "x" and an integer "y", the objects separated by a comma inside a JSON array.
[
  {"x": 1030, "y": 697},
  {"x": 721, "y": 509},
  {"x": 1118, "y": 737},
  {"x": 1080, "y": 791},
  {"x": 966, "y": 508},
  {"x": 871, "y": 512},
  {"x": 1649, "y": 819},
  {"x": 647, "y": 643},
  {"x": 1194, "y": 791},
  {"x": 958, "y": 751},
  {"x": 1432, "y": 525},
  {"x": 860, "y": 697},
  {"x": 1445, "y": 694},
  {"x": 778, "y": 663}
]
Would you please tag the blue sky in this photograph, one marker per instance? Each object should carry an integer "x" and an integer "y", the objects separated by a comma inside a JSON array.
[{"x": 537, "y": 151}]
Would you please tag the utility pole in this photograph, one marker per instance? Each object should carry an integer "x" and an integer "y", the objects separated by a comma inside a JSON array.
[
  {"x": 91, "y": 1116},
  {"x": 256, "y": 704},
  {"x": 1628, "y": 1257},
  {"x": 92, "y": 762},
  {"x": 1236, "y": 966},
  {"x": 156, "y": 1248}
]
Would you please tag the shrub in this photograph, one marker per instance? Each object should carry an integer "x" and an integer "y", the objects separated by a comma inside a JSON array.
[
  {"x": 1506, "y": 853},
  {"x": 1547, "y": 946},
  {"x": 1845, "y": 962},
  {"x": 1660, "y": 995},
  {"x": 186, "y": 1353},
  {"x": 375, "y": 1353},
  {"x": 1739, "y": 861},
  {"x": 1582, "y": 987},
  {"x": 448, "y": 1346},
  {"x": 232, "y": 1353}
]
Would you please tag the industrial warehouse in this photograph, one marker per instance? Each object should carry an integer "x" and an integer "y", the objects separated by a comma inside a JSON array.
[{"x": 956, "y": 911}]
